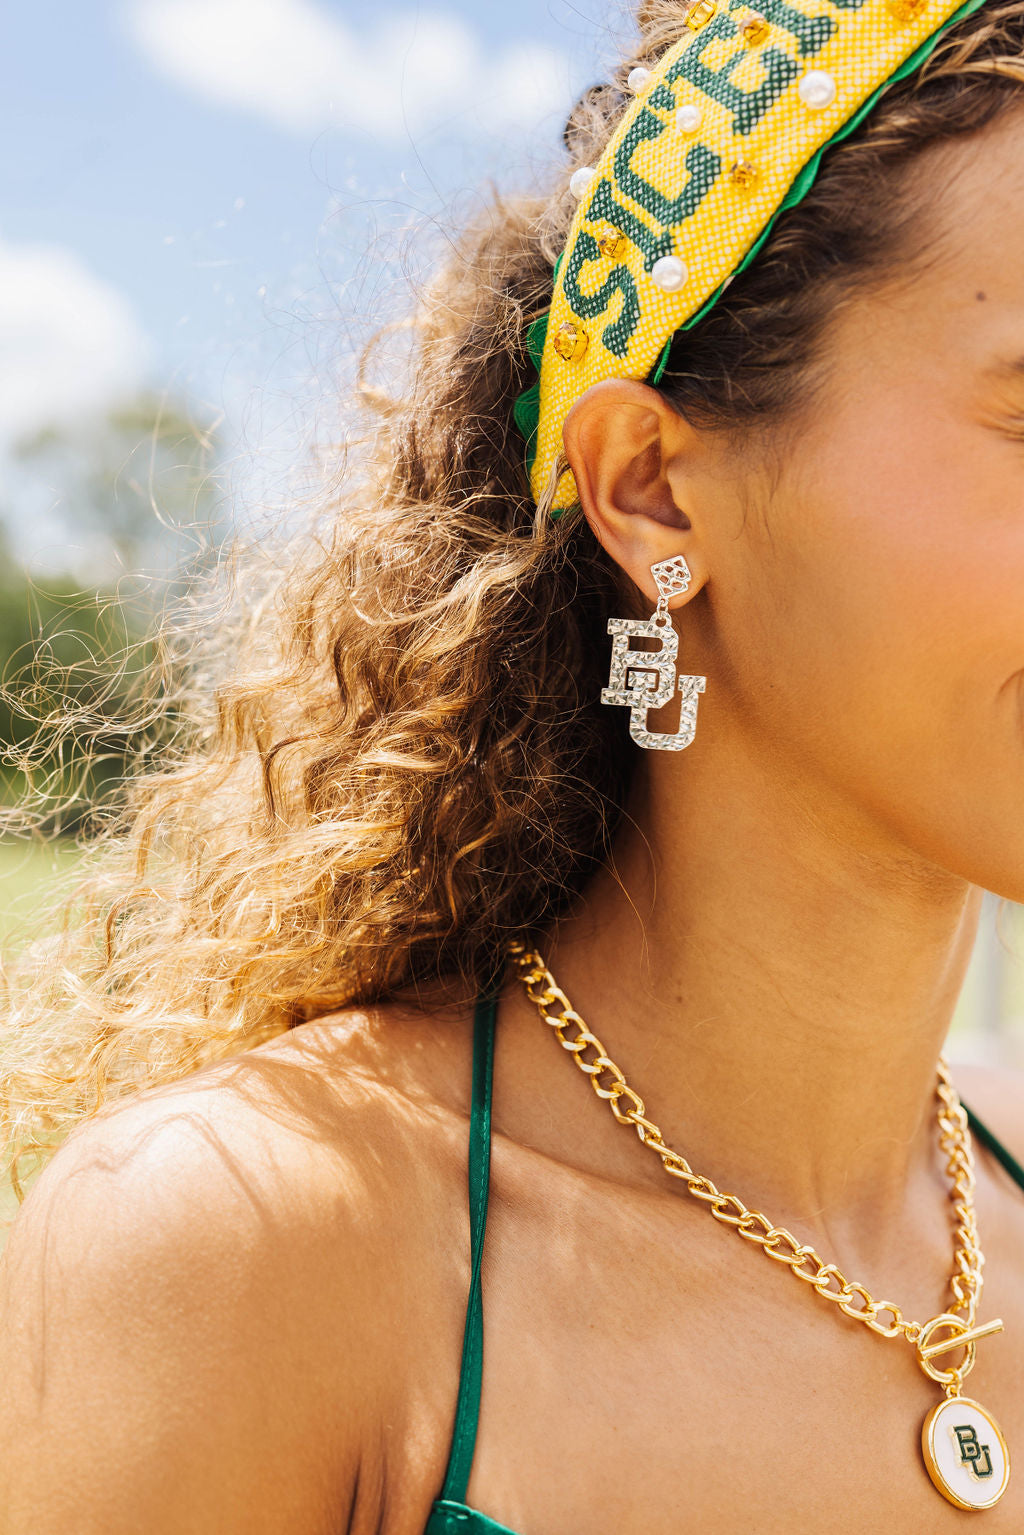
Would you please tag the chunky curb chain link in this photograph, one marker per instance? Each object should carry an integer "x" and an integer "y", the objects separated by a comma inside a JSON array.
[{"x": 883, "y": 1317}]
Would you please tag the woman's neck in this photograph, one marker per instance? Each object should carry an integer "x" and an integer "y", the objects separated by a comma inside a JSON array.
[{"x": 776, "y": 981}]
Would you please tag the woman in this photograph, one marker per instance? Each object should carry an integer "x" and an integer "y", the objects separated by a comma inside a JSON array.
[{"x": 235, "y": 1300}]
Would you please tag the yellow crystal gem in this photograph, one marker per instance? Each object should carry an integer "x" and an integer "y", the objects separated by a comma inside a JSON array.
[
  {"x": 743, "y": 173},
  {"x": 755, "y": 28},
  {"x": 904, "y": 10},
  {"x": 698, "y": 13},
  {"x": 611, "y": 243},
  {"x": 570, "y": 341}
]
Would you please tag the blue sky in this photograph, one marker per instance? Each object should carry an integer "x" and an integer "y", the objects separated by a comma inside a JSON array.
[{"x": 188, "y": 187}]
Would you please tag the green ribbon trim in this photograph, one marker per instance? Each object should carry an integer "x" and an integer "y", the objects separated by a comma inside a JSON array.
[{"x": 526, "y": 410}]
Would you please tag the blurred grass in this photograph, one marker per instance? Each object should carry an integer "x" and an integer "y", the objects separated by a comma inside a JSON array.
[{"x": 29, "y": 875}]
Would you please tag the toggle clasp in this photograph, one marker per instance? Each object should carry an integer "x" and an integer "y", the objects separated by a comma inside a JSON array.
[{"x": 962, "y": 1337}]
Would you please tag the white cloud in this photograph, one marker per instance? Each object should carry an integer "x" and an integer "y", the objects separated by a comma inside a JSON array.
[
  {"x": 302, "y": 68},
  {"x": 526, "y": 83},
  {"x": 69, "y": 341}
]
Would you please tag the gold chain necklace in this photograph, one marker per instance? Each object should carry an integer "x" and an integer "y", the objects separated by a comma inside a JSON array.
[{"x": 964, "y": 1450}]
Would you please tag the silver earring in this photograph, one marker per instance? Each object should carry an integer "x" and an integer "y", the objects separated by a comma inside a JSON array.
[{"x": 646, "y": 679}]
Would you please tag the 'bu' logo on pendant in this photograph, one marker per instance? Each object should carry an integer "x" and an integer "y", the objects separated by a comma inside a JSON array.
[
  {"x": 977, "y": 1457},
  {"x": 646, "y": 679},
  {"x": 965, "y": 1453}
]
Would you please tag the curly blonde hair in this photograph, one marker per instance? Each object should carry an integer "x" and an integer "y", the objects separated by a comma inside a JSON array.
[{"x": 389, "y": 755}]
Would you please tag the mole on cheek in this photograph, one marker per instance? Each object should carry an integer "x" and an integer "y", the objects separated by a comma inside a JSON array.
[{"x": 980, "y": 297}]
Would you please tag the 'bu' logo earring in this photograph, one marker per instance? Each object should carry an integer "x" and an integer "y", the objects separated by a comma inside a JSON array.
[{"x": 646, "y": 679}]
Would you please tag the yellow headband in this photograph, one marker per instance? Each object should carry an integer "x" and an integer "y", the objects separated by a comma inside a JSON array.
[{"x": 724, "y": 133}]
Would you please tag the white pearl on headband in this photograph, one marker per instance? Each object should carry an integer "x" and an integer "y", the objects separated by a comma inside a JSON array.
[
  {"x": 638, "y": 78},
  {"x": 581, "y": 179},
  {"x": 688, "y": 118},
  {"x": 669, "y": 274},
  {"x": 817, "y": 89}
]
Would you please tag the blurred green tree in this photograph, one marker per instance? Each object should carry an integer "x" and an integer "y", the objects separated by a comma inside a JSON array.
[
  {"x": 106, "y": 522},
  {"x": 132, "y": 490}
]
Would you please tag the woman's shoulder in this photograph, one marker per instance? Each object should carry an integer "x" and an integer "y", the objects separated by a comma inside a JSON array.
[
  {"x": 353, "y": 1101},
  {"x": 201, "y": 1253}
]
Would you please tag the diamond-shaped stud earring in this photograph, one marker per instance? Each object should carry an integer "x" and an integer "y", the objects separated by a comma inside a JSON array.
[{"x": 671, "y": 577}]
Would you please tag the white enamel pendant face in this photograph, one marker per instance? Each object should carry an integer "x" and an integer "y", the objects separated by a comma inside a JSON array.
[{"x": 965, "y": 1453}]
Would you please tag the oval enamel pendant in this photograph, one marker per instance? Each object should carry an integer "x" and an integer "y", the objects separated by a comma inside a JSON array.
[{"x": 965, "y": 1453}]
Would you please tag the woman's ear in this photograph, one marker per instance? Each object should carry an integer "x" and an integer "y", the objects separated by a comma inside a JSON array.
[{"x": 621, "y": 439}]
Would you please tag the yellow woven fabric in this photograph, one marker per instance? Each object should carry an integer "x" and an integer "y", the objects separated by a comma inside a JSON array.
[{"x": 662, "y": 188}]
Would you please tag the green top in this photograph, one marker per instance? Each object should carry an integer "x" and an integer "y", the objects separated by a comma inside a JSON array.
[{"x": 449, "y": 1514}]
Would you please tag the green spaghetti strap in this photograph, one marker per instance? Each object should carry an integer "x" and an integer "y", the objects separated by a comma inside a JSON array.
[
  {"x": 995, "y": 1145},
  {"x": 467, "y": 1410}
]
